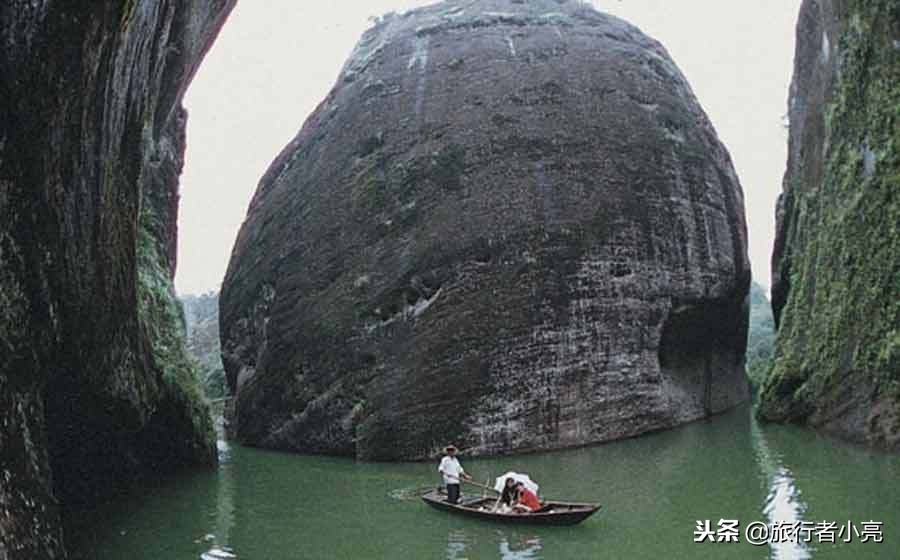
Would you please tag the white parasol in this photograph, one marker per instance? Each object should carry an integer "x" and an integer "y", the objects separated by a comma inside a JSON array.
[{"x": 523, "y": 478}]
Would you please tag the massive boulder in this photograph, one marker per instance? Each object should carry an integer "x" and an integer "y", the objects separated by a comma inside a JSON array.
[
  {"x": 509, "y": 225},
  {"x": 836, "y": 263},
  {"x": 95, "y": 388}
]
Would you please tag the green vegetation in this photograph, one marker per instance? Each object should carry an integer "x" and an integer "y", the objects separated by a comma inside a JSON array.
[
  {"x": 127, "y": 13},
  {"x": 760, "y": 337},
  {"x": 370, "y": 185},
  {"x": 839, "y": 335},
  {"x": 162, "y": 319},
  {"x": 202, "y": 319}
]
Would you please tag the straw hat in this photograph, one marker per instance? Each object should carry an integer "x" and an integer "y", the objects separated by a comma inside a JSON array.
[{"x": 450, "y": 448}]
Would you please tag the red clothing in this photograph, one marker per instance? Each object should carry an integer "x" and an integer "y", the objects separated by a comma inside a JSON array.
[{"x": 530, "y": 499}]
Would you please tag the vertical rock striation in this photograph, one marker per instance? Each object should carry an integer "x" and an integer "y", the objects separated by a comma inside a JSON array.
[
  {"x": 95, "y": 388},
  {"x": 509, "y": 225},
  {"x": 836, "y": 263}
]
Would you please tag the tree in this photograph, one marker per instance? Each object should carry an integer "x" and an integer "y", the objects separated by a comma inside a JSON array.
[
  {"x": 201, "y": 314},
  {"x": 760, "y": 336}
]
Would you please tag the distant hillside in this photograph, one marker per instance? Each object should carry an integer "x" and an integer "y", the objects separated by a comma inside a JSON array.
[
  {"x": 201, "y": 314},
  {"x": 760, "y": 336}
]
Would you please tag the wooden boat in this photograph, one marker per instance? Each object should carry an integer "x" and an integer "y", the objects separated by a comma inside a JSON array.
[{"x": 551, "y": 513}]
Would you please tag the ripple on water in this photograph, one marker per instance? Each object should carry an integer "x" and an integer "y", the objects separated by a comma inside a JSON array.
[
  {"x": 409, "y": 493},
  {"x": 218, "y": 553}
]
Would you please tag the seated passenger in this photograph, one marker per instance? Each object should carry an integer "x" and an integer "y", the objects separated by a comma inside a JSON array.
[
  {"x": 527, "y": 501},
  {"x": 507, "y": 497}
]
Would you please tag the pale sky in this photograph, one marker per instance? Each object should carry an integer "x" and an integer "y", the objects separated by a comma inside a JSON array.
[{"x": 276, "y": 60}]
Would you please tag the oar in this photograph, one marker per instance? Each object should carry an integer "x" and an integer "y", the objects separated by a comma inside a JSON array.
[{"x": 485, "y": 486}]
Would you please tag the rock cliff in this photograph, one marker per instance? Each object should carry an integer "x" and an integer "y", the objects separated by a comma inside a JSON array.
[
  {"x": 95, "y": 388},
  {"x": 509, "y": 225},
  {"x": 836, "y": 263}
]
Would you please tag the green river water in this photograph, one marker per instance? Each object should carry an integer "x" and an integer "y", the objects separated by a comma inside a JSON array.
[{"x": 265, "y": 505}]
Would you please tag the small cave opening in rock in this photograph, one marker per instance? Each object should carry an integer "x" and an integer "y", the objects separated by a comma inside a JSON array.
[{"x": 701, "y": 343}]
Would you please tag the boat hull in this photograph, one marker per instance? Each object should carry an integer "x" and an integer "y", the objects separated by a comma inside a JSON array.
[{"x": 553, "y": 513}]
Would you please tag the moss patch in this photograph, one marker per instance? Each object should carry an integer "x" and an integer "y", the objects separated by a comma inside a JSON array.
[{"x": 162, "y": 319}]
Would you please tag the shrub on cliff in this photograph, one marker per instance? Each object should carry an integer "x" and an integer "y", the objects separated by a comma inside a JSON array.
[
  {"x": 201, "y": 314},
  {"x": 760, "y": 336}
]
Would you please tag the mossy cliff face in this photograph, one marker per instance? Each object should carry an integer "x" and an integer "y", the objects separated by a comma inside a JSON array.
[
  {"x": 95, "y": 389},
  {"x": 836, "y": 266},
  {"x": 509, "y": 225}
]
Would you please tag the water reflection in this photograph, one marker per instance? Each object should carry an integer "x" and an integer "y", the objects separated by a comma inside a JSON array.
[
  {"x": 225, "y": 509},
  {"x": 456, "y": 545},
  {"x": 464, "y": 545},
  {"x": 783, "y": 503},
  {"x": 520, "y": 547},
  {"x": 224, "y": 495}
]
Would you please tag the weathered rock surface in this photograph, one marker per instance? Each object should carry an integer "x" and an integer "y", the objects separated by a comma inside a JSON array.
[
  {"x": 836, "y": 264},
  {"x": 94, "y": 385},
  {"x": 509, "y": 225}
]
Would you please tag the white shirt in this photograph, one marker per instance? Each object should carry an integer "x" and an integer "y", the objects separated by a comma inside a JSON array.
[{"x": 451, "y": 469}]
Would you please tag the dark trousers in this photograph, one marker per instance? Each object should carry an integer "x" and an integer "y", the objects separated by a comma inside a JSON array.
[{"x": 453, "y": 493}]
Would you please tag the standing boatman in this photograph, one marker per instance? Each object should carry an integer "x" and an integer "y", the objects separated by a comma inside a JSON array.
[{"x": 451, "y": 470}]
